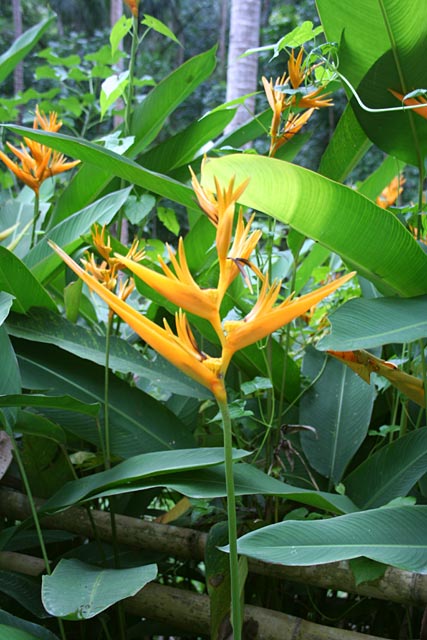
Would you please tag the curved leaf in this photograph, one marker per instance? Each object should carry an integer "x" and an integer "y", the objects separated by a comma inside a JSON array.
[
  {"x": 370, "y": 239},
  {"x": 18, "y": 624},
  {"x": 390, "y": 472},
  {"x": 22, "y": 45},
  {"x": 17, "y": 280},
  {"x": 395, "y": 536},
  {"x": 78, "y": 591},
  {"x": 365, "y": 323},
  {"x": 382, "y": 47}
]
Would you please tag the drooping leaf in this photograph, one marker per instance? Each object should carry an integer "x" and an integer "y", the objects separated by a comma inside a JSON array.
[
  {"x": 137, "y": 468},
  {"x": 65, "y": 403},
  {"x": 10, "y": 380},
  {"x": 138, "y": 423},
  {"x": 368, "y": 238},
  {"x": 24, "y": 590},
  {"x": 338, "y": 405},
  {"x": 6, "y": 300},
  {"x": 78, "y": 591},
  {"x": 160, "y": 27},
  {"x": 18, "y": 624},
  {"x": 390, "y": 472},
  {"x": 394, "y": 536}
]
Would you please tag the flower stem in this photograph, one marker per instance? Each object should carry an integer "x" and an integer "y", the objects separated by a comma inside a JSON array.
[
  {"x": 236, "y": 607},
  {"x": 35, "y": 218},
  {"x": 33, "y": 509}
]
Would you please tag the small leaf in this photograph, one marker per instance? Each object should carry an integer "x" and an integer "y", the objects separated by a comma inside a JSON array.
[
  {"x": 78, "y": 591},
  {"x": 118, "y": 32},
  {"x": 366, "y": 570},
  {"x": 6, "y": 301},
  {"x": 168, "y": 217},
  {"x": 112, "y": 89},
  {"x": 5, "y": 453},
  {"x": 72, "y": 297},
  {"x": 160, "y": 27}
]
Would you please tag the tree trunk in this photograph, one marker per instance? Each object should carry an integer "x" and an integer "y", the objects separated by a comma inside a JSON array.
[
  {"x": 242, "y": 73},
  {"x": 18, "y": 73}
]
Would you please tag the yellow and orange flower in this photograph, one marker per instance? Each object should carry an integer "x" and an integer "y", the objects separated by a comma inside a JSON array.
[
  {"x": 133, "y": 6},
  {"x": 420, "y": 101},
  {"x": 391, "y": 192},
  {"x": 40, "y": 162}
]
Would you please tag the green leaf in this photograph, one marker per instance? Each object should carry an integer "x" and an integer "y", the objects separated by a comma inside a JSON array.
[
  {"x": 72, "y": 299},
  {"x": 210, "y": 483},
  {"x": 365, "y": 570},
  {"x": 35, "y": 425},
  {"x": 168, "y": 217},
  {"x": 138, "y": 423},
  {"x": 65, "y": 403},
  {"x": 394, "y": 536},
  {"x": 10, "y": 379},
  {"x": 112, "y": 89},
  {"x": 375, "y": 56},
  {"x": 46, "y": 465},
  {"x": 6, "y": 300},
  {"x": 18, "y": 624},
  {"x": 135, "y": 469},
  {"x": 118, "y": 32},
  {"x": 112, "y": 164},
  {"x": 381, "y": 177},
  {"x": 390, "y": 472},
  {"x": 217, "y": 578},
  {"x": 148, "y": 119},
  {"x": 338, "y": 405},
  {"x": 24, "y": 590},
  {"x": 348, "y": 145},
  {"x": 43, "y": 261},
  {"x": 22, "y": 46},
  {"x": 17, "y": 280},
  {"x": 45, "y": 327},
  {"x": 368, "y": 238},
  {"x": 160, "y": 27},
  {"x": 365, "y": 323},
  {"x": 78, "y": 591},
  {"x": 12, "y": 633}
]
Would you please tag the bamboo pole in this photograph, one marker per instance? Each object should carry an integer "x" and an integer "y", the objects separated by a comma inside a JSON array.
[
  {"x": 190, "y": 612},
  {"x": 396, "y": 585}
]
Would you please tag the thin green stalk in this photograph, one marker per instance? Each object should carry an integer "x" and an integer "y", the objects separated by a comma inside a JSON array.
[
  {"x": 33, "y": 509},
  {"x": 130, "y": 87},
  {"x": 236, "y": 606},
  {"x": 36, "y": 215}
]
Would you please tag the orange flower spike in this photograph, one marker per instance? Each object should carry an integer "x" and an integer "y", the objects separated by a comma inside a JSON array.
[
  {"x": 22, "y": 173},
  {"x": 296, "y": 75},
  {"x": 158, "y": 338},
  {"x": 409, "y": 102},
  {"x": 392, "y": 191},
  {"x": 133, "y": 6},
  {"x": 178, "y": 287},
  {"x": 264, "y": 318},
  {"x": 276, "y": 100},
  {"x": 294, "y": 124},
  {"x": 313, "y": 100}
]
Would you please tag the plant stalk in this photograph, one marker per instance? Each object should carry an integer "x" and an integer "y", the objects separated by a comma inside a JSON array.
[{"x": 236, "y": 606}]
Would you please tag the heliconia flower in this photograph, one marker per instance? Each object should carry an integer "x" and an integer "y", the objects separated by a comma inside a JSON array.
[
  {"x": 219, "y": 208},
  {"x": 265, "y": 318},
  {"x": 133, "y": 6},
  {"x": 313, "y": 100},
  {"x": 293, "y": 125},
  {"x": 296, "y": 75},
  {"x": 186, "y": 357},
  {"x": 40, "y": 162},
  {"x": 419, "y": 100},
  {"x": 391, "y": 192},
  {"x": 178, "y": 286}
]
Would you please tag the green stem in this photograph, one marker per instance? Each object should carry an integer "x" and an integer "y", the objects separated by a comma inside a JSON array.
[
  {"x": 130, "y": 87},
  {"x": 33, "y": 509},
  {"x": 236, "y": 606},
  {"x": 35, "y": 218}
]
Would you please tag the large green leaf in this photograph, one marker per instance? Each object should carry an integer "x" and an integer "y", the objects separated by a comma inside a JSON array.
[
  {"x": 42, "y": 326},
  {"x": 42, "y": 260},
  {"x": 338, "y": 405},
  {"x": 24, "y": 590},
  {"x": 395, "y": 536},
  {"x": 368, "y": 238},
  {"x": 21, "y": 47},
  {"x": 12, "y": 633},
  {"x": 365, "y": 323},
  {"x": 138, "y": 423},
  {"x": 210, "y": 483},
  {"x": 346, "y": 148},
  {"x": 78, "y": 591},
  {"x": 383, "y": 47},
  {"x": 111, "y": 163},
  {"x": 135, "y": 469},
  {"x": 17, "y": 280},
  {"x": 390, "y": 472},
  {"x": 65, "y": 403}
]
